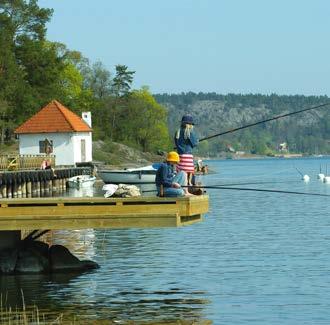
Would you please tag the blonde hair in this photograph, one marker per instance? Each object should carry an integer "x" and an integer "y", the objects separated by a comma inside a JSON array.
[{"x": 187, "y": 130}]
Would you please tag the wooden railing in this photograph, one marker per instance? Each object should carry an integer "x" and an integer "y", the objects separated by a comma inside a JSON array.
[{"x": 16, "y": 162}]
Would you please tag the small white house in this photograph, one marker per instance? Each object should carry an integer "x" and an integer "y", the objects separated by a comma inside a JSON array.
[{"x": 57, "y": 130}]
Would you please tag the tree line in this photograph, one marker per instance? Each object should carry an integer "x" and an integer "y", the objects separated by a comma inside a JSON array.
[{"x": 34, "y": 71}]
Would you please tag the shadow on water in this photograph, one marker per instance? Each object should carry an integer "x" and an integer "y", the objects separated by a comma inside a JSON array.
[
  {"x": 52, "y": 294},
  {"x": 31, "y": 289}
]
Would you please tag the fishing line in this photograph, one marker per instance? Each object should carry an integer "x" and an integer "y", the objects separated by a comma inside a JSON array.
[
  {"x": 260, "y": 175},
  {"x": 255, "y": 183},
  {"x": 301, "y": 174},
  {"x": 263, "y": 121}
]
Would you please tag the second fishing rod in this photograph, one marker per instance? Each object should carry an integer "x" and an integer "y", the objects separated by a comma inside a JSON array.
[{"x": 264, "y": 121}]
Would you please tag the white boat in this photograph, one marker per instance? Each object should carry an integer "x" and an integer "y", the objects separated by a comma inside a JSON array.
[
  {"x": 142, "y": 175},
  {"x": 81, "y": 181}
]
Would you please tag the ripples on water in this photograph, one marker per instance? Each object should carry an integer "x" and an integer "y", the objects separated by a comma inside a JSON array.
[{"x": 258, "y": 258}]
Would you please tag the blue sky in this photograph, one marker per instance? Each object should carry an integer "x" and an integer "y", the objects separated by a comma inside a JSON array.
[{"x": 225, "y": 46}]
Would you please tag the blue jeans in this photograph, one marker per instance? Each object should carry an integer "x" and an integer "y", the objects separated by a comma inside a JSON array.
[{"x": 180, "y": 178}]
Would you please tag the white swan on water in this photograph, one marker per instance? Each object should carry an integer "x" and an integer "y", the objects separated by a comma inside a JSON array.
[
  {"x": 306, "y": 178},
  {"x": 326, "y": 179}
]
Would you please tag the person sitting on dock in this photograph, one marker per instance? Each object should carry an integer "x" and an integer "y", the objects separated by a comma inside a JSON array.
[
  {"x": 170, "y": 183},
  {"x": 47, "y": 164}
]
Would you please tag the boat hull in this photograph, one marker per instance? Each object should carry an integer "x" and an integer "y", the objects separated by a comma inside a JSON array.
[
  {"x": 128, "y": 177},
  {"x": 144, "y": 179}
]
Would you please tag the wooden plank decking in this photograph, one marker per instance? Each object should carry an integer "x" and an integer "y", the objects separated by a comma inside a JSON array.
[{"x": 81, "y": 213}]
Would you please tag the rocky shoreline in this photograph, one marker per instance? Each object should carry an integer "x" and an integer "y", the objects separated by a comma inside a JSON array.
[{"x": 31, "y": 256}]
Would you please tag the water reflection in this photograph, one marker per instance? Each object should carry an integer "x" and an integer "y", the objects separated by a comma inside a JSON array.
[
  {"x": 88, "y": 191},
  {"x": 73, "y": 294},
  {"x": 79, "y": 242},
  {"x": 31, "y": 288},
  {"x": 133, "y": 283}
]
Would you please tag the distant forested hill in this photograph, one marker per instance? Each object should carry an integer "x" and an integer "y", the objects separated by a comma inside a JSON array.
[{"x": 307, "y": 133}]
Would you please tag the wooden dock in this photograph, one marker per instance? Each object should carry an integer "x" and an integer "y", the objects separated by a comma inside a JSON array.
[
  {"x": 37, "y": 183},
  {"x": 97, "y": 212}
]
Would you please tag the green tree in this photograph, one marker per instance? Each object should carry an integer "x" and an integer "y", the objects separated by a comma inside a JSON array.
[
  {"x": 98, "y": 79},
  {"x": 24, "y": 18},
  {"x": 144, "y": 122},
  {"x": 44, "y": 71},
  {"x": 121, "y": 86},
  {"x": 122, "y": 81},
  {"x": 75, "y": 89},
  {"x": 22, "y": 29},
  {"x": 5, "y": 120}
]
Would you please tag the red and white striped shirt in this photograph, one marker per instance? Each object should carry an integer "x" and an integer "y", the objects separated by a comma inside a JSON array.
[{"x": 186, "y": 163}]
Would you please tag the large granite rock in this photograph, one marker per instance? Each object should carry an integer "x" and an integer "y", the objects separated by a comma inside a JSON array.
[
  {"x": 33, "y": 257},
  {"x": 38, "y": 257},
  {"x": 8, "y": 260},
  {"x": 61, "y": 259}
]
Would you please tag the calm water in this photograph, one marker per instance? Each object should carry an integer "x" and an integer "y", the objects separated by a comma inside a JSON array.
[{"x": 258, "y": 258}]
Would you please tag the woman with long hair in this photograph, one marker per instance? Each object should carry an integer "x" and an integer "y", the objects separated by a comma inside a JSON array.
[{"x": 185, "y": 140}]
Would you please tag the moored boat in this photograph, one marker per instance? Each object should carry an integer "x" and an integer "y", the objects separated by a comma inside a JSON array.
[
  {"x": 81, "y": 181},
  {"x": 143, "y": 175}
]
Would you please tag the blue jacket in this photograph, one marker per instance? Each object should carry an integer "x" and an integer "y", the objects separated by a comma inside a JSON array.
[
  {"x": 165, "y": 174},
  {"x": 185, "y": 145}
]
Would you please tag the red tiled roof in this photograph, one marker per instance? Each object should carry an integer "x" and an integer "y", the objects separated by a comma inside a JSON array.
[{"x": 54, "y": 118}]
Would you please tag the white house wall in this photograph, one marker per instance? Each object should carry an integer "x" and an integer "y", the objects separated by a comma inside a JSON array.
[
  {"x": 66, "y": 146},
  {"x": 78, "y": 136}
]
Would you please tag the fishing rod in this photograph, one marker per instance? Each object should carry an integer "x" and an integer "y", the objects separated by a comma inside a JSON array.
[
  {"x": 260, "y": 190},
  {"x": 263, "y": 121},
  {"x": 230, "y": 184}
]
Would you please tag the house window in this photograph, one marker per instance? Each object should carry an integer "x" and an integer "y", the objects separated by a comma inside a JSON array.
[{"x": 46, "y": 146}]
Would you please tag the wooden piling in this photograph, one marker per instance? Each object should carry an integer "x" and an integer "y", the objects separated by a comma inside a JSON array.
[
  {"x": 9, "y": 191},
  {"x": 14, "y": 190},
  {"x": 4, "y": 191},
  {"x": 19, "y": 190},
  {"x": 23, "y": 189},
  {"x": 55, "y": 185},
  {"x": 28, "y": 188}
]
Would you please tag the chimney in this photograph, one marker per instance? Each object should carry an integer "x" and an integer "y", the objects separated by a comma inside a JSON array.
[{"x": 87, "y": 117}]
